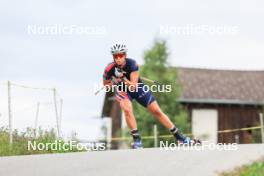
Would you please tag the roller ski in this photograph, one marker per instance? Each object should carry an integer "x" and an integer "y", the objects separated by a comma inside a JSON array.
[{"x": 190, "y": 142}]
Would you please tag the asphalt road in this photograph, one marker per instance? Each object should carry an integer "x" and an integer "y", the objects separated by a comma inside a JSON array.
[{"x": 147, "y": 162}]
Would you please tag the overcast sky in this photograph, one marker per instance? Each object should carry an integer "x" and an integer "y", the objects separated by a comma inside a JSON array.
[{"x": 74, "y": 63}]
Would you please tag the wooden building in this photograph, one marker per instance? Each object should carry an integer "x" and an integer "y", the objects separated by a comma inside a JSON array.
[{"x": 216, "y": 100}]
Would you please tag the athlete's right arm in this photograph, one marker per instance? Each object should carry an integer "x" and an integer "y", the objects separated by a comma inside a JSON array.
[
  {"x": 107, "y": 82},
  {"x": 109, "y": 77}
]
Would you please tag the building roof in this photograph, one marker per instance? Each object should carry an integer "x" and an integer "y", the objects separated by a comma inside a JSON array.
[{"x": 221, "y": 86}]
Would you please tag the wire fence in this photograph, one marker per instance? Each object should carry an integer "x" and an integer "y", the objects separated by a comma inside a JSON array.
[
  {"x": 30, "y": 87},
  {"x": 57, "y": 103},
  {"x": 188, "y": 134}
]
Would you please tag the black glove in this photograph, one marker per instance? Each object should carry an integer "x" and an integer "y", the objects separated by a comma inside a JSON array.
[{"x": 115, "y": 80}]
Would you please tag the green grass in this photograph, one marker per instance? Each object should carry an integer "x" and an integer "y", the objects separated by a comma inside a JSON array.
[
  {"x": 20, "y": 142},
  {"x": 255, "y": 169}
]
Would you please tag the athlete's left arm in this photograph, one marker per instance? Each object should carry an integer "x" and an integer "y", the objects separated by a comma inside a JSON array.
[{"x": 133, "y": 80}]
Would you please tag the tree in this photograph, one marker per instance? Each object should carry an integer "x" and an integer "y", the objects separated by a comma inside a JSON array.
[{"x": 156, "y": 66}]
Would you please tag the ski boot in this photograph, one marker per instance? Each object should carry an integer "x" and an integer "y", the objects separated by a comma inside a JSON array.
[{"x": 137, "y": 144}]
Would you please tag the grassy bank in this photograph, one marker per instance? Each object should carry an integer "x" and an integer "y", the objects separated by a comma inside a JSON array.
[
  {"x": 254, "y": 169},
  {"x": 20, "y": 142}
]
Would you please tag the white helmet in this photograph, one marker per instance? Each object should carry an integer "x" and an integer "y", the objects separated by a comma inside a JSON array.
[{"x": 118, "y": 48}]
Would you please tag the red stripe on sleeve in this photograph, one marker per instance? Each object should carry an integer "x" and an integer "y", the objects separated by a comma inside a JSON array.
[{"x": 109, "y": 67}]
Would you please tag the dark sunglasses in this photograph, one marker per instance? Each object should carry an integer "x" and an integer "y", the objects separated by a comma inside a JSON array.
[{"x": 118, "y": 55}]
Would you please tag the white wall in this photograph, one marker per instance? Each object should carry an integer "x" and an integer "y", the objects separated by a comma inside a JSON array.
[{"x": 205, "y": 124}]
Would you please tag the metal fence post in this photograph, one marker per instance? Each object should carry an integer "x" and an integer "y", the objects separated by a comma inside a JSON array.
[
  {"x": 262, "y": 126},
  {"x": 10, "y": 113},
  {"x": 155, "y": 131},
  {"x": 36, "y": 120},
  {"x": 56, "y": 112}
]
